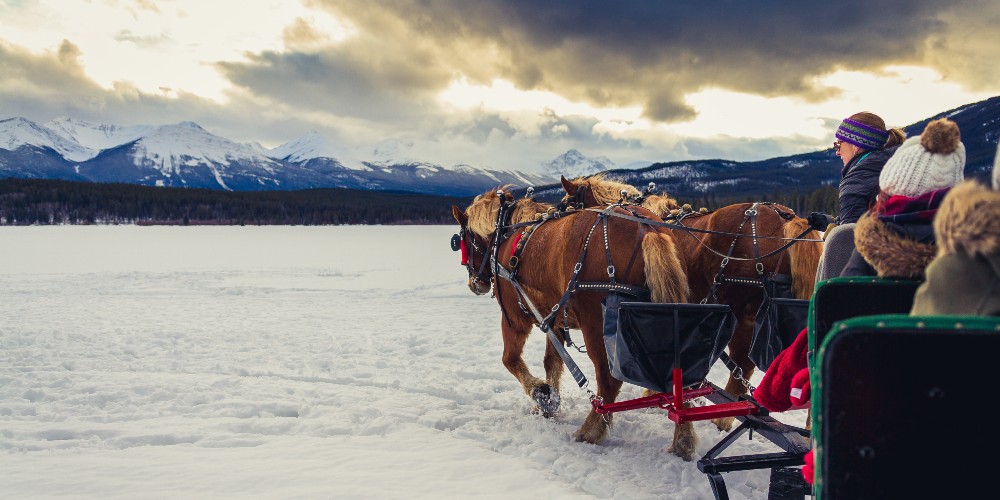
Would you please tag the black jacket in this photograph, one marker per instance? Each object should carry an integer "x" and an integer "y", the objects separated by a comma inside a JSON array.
[{"x": 859, "y": 183}]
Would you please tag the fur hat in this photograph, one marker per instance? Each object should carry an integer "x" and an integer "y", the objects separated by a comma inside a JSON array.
[{"x": 934, "y": 160}]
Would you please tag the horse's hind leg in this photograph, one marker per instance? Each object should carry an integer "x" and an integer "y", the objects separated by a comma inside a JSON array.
[
  {"x": 515, "y": 334},
  {"x": 739, "y": 351},
  {"x": 596, "y": 426}
]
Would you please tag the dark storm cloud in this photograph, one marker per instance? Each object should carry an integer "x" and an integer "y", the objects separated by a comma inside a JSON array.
[
  {"x": 374, "y": 86},
  {"x": 652, "y": 53}
]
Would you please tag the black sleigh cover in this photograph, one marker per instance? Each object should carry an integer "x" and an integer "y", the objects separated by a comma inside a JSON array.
[{"x": 645, "y": 340}]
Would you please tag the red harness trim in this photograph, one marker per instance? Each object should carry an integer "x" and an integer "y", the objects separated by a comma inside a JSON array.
[
  {"x": 465, "y": 254},
  {"x": 513, "y": 247}
]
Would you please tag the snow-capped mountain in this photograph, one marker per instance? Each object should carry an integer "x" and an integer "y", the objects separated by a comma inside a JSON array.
[
  {"x": 96, "y": 136},
  {"x": 185, "y": 154},
  {"x": 313, "y": 146},
  {"x": 573, "y": 164},
  {"x": 392, "y": 166},
  {"x": 17, "y": 132}
]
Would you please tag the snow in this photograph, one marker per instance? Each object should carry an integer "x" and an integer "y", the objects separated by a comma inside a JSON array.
[
  {"x": 293, "y": 362},
  {"x": 96, "y": 136},
  {"x": 17, "y": 132},
  {"x": 169, "y": 147},
  {"x": 573, "y": 164},
  {"x": 313, "y": 145}
]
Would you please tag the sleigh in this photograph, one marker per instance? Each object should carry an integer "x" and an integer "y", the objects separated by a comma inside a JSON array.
[{"x": 669, "y": 348}]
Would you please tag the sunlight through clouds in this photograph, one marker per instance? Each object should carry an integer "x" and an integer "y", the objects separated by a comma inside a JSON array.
[
  {"x": 498, "y": 82},
  {"x": 165, "y": 48},
  {"x": 503, "y": 96}
]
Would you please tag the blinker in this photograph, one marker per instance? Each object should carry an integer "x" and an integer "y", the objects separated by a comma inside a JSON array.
[{"x": 456, "y": 243}]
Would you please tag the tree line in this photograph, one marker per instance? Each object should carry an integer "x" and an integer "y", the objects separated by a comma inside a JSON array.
[
  {"x": 37, "y": 201},
  {"x": 825, "y": 199}
]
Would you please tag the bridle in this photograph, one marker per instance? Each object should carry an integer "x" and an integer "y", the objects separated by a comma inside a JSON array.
[
  {"x": 465, "y": 241},
  {"x": 574, "y": 201}
]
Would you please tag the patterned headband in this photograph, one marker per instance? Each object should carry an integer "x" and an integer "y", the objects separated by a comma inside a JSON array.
[{"x": 861, "y": 135}]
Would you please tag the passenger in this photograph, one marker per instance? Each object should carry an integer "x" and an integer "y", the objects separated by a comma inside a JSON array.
[
  {"x": 864, "y": 145},
  {"x": 896, "y": 239},
  {"x": 964, "y": 277}
]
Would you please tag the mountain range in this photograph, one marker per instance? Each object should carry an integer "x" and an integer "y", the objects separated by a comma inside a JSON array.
[
  {"x": 978, "y": 122},
  {"x": 186, "y": 155}
]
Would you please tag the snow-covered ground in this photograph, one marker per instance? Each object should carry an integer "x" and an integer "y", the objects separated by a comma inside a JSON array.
[{"x": 292, "y": 362}]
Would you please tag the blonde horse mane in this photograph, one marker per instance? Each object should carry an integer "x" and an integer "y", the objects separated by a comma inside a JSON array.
[
  {"x": 482, "y": 212},
  {"x": 608, "y": 190}
]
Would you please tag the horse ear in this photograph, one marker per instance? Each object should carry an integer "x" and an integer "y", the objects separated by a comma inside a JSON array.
[
  {"x": 568, "y": 186},
  {"x": 459, "y": 215}
]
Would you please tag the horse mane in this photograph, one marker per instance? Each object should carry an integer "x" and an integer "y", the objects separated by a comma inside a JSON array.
[
  {"x": 660, "y": 204},
  {"x": 608, "y": 190},
  {"x": 482, "y": 212},
  {"x": 527, "y": 209}
]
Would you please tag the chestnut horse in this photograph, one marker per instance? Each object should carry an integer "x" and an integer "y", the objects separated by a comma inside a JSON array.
[
  {"x": 711, "y": 239},
  {"x": 549, "y": 257}
]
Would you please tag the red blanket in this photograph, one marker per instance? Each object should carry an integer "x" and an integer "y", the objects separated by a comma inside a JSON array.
[{"x": 774, "y": 391}]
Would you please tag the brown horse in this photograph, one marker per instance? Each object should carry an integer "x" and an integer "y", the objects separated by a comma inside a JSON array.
[
  {"x": 548, "y": 257},
  {"x": 704, "y": 252}
]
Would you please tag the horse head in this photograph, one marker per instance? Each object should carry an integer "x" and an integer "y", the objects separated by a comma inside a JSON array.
[
  {"x": 600, "y": 190},
  {"x": 474, "y": 250}
]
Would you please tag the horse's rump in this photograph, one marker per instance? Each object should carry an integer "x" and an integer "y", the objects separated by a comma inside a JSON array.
[{"x": 756, "y": 252}]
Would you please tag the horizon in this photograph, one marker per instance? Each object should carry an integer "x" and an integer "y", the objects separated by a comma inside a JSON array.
[
  {"x": 635, "y": 165},
  {"x": 502, "y": 85}
]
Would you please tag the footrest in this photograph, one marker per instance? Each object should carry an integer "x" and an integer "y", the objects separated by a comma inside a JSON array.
[
  {"x": 734, "y": 409},
  {"x": 750, "y": 462},
  {"x": 658, "y": 400}
]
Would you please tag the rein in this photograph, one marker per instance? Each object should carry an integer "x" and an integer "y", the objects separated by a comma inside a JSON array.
[{"x": 689, "y": 229}]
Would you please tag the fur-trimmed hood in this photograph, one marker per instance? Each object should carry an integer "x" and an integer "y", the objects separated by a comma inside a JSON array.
[
  {"x": 894, "y": 250},
  {"x": 968, "y": 221}
]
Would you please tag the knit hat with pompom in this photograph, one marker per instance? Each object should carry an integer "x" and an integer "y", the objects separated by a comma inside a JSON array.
[{"x": 934, "y": 160}]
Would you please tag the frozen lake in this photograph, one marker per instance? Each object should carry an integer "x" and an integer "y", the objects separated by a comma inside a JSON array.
[{"x": 291, "y": 362}]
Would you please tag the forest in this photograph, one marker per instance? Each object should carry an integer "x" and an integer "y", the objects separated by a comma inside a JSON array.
[{"x": 37, "y": 201}]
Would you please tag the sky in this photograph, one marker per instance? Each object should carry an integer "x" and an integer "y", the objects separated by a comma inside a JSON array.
[
  {"x": 502, "y": 83},
  {"x": 294, "y": 362}
]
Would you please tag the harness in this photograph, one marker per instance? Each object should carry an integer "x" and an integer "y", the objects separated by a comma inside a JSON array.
[
  {"x": 546, "y": 321},
  {"x": 523, "y": 232}
]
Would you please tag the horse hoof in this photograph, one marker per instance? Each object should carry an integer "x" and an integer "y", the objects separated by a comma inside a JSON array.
[
  {"x": 547, "y": 399},
  {"x": 681, "y": 450},
  {"x": 725, "y": 424},
  {"x": 684, "y": 445}
]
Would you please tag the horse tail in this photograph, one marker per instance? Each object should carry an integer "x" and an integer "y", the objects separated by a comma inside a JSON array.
[
  {"x": 665, "y": 275},
  {"x": 804, "y": 257}
]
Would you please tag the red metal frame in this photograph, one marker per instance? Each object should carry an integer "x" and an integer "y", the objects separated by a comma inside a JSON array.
[{"x": 678, "y": 413}]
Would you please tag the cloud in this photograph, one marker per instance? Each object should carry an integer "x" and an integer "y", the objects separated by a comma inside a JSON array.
[
  {"x": 654, "y": 53},
  {"x": 361, "y": 72}
]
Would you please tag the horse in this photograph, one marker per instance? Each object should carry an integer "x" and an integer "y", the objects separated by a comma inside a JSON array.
[
  {"x": 553, "y": 256},
  {"x": 721, "y": 266}
]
